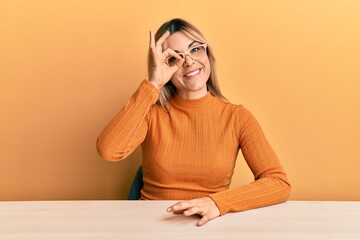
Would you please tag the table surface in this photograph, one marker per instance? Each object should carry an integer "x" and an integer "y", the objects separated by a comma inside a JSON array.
[{"x": 149, "y": 220}]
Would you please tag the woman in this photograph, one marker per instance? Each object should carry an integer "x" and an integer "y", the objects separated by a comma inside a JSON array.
[{"x": 190, "y": 134}]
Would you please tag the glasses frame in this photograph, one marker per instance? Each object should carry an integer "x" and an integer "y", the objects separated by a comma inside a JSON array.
[{"x": 187, "y": 53}]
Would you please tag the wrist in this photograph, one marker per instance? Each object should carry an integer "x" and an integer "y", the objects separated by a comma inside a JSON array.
[{"x": 155, "y": 84}]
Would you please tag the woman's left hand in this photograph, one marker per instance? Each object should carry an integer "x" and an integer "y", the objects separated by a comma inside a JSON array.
[{"x": 204, "y": 207}]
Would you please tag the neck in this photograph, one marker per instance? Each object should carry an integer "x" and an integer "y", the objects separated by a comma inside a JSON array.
[{"x": 178, "y": 101}]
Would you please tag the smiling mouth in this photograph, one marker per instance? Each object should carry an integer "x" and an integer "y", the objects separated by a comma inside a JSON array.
[{"x": 193, "y": 73}]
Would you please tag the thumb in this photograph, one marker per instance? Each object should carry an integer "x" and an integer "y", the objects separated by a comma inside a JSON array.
[{"x": 177, "y": 66}]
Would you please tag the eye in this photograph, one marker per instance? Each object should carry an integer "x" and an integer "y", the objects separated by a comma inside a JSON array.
[
  {"x": 195, "y": 49},
  {"x": 171, "y": 60}
]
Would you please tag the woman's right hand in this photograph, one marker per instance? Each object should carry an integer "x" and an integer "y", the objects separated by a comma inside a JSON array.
[{"x": 160, "y": 72}]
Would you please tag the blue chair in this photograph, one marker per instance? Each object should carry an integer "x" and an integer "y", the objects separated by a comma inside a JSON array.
[{"x": 136, "y": 185}]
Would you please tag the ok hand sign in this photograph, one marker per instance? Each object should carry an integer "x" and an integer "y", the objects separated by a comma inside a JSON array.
[{"x": 159, "y": 70}]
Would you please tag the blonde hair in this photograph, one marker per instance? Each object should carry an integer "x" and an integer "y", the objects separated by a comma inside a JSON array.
[{"x": 169, "y": 90}]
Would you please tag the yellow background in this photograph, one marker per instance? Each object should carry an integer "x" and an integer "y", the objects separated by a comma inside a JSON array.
[{"x": 67, "y": 67}]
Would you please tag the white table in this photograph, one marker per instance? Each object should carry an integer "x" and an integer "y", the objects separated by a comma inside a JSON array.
[{"x": 101, "y": 220}]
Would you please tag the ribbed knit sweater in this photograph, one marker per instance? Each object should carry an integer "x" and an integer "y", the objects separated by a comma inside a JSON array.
[{"x": 190, "y": 150}]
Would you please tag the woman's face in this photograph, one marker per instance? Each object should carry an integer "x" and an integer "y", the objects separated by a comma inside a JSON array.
[{"x": 190, "y": 80}]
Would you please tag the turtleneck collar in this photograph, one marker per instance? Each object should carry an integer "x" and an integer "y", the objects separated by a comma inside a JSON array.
[{"x": 192, "y": 103}]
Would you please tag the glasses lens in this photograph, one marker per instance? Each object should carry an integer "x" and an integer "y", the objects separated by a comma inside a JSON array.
[{"x": 197, "y": 52}]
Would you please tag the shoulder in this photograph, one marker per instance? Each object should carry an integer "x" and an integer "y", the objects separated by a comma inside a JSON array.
[
  {"x": 238, "y": 110},
  {"x": 238, "y": 114}
]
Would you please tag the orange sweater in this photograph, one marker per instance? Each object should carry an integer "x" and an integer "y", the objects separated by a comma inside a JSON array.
[{"x": 190, "y": 151}]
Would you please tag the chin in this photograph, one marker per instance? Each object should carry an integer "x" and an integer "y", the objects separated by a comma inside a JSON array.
[{"x": 196, "y": 88}]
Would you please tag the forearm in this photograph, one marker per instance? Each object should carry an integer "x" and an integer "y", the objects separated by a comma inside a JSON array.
[
  {"x": 128, "y": 128},
  {"x": 266, "y": 191}
]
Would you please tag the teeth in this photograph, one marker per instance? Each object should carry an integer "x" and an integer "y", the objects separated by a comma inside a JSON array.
[{"x": 192, "y": 73}]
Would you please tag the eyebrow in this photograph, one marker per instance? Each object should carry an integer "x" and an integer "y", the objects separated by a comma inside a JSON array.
[{"x": 188, "y": 46}]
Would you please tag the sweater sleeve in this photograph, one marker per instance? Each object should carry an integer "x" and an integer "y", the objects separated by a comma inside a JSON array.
[
  {"x": 128, "y": 128},
  {"x": 270, "y": 186}
]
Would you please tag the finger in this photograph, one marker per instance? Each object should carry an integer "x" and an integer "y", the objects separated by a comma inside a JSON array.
[
  {"x": 175, "y": 208},
  {"x": 171, "y": 53},
  {"x": 162, "y": 38},
  {"x": 152, "y": 40},
  {"x": 192, "y": 211},
  {"x": 178, "y": 64},
  {"x": 180, "y": 206},
  {"x": 203, "y": 220}
]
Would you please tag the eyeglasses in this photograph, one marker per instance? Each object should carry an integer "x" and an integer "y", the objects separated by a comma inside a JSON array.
[{"x": 195, "y": 53}]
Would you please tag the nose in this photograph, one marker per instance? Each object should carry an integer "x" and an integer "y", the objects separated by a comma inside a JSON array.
[{"x": 188, "y": 61}]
